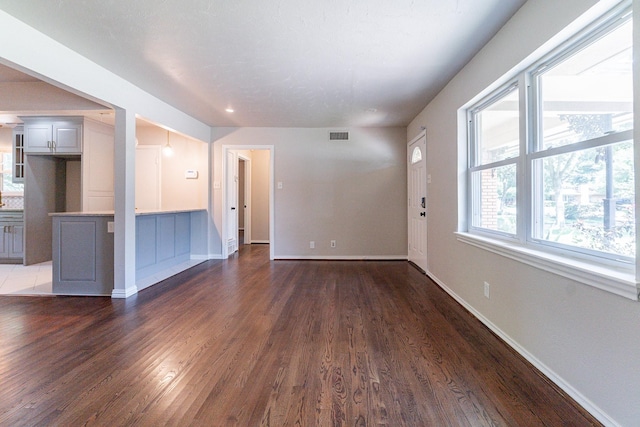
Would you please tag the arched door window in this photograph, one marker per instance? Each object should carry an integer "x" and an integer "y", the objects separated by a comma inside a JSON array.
[{"x": 416, "y": 156}]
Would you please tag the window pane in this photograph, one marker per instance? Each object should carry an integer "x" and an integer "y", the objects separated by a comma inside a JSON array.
[
  {"x": 495, "y": 199},
  {"x": 416, "y": 155},
  {"x": 498, "y": 130},
  {"x": 587, "y": 199},
  {"x": 591, "y": 93},
  {"x": 7, "y": 175}
]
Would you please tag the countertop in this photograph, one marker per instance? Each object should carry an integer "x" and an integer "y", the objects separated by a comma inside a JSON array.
[{"x": 111, "y": 213}]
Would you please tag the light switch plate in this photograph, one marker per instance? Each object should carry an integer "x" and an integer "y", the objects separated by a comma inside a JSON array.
[{"x": 110, "y": 227}]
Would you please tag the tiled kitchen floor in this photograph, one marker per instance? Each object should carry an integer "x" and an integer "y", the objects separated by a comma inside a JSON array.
[{"x": 16, "y": 279}]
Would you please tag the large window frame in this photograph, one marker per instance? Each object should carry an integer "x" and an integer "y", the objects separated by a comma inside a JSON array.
[{"x": 603, "y": 270}]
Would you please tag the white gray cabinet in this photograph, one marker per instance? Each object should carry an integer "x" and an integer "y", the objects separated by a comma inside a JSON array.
[
  {"x": 51, "y": 135},
  {"x": 11, "y": 237}
]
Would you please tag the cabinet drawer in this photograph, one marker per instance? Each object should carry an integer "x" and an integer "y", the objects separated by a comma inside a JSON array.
[{"x": 11, "y": 217}]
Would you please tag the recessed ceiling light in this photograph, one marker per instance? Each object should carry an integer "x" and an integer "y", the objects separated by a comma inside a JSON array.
[{"x": 229, "y": 110}]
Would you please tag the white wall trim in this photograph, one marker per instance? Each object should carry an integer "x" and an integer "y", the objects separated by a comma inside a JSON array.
[
  {"x": 344, "y": 258},
  {"x": 603, "y": 277},
  {"x": 583, "y": 401}
]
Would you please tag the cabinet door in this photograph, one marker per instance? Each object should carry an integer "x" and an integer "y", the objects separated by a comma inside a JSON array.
[
  {"x": 17, "y": 241},
  {"x": 18, "y": 154},
  {"x": 5, "y": 240},
  {"x": 37, "y": 138},
  {"x": 67, "y": 138}
]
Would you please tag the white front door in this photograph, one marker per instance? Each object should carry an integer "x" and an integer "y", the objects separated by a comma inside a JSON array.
[
  {"x": 417, "y": 191},
  {"x": 232, "y": 201}
]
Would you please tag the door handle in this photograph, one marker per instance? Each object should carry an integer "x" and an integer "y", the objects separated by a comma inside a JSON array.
[
  {"x": 233, "y": 208},
  {"x": 423, "y": 214},
  {"x": 424, "y": 202}
]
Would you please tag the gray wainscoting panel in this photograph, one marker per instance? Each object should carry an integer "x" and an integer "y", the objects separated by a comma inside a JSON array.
[
  {"x": 163, "y": 240},
  {"x": 183, "y": 234},
  {"x": 166, "y": 235},
  {"x": 145, "y": 241}
]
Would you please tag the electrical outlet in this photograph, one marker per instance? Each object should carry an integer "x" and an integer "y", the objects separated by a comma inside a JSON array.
[
  {"x": 312, "y": 244},
  {"x": 487, "y": 288},
  {"x": 333, "y": 243}
]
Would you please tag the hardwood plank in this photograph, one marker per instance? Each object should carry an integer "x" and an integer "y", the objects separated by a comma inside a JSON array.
[{"x": 251, "y": 342}]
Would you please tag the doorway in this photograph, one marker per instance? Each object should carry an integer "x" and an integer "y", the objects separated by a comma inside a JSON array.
[
  {"x": 248, "y": 199},
  {"x": 417, "y": 191}
]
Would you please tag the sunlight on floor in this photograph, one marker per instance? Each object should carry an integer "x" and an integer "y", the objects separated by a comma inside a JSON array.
[{"x": 16, "y": 279}]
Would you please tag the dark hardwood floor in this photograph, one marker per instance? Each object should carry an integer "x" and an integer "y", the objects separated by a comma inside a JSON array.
[{"x": 249, "y": 342}]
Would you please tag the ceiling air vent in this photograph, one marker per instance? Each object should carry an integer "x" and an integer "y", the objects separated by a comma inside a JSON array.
[{"x": 338, "y": 136}]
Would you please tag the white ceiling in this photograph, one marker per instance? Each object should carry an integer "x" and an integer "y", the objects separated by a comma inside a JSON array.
[{"x": 285, "y": 63}]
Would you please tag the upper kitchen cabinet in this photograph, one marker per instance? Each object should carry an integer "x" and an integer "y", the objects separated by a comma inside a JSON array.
[
  {"x": 18, "y": 154},
  {"x": 52, "y": 135}
]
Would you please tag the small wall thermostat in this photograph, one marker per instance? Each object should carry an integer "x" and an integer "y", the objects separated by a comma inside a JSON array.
[{"x": 191, "y": 174}]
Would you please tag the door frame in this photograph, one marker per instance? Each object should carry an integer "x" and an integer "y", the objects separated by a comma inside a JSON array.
[
  {"x": 247, "y": 196},
  {"x": 272, "y": 234}
]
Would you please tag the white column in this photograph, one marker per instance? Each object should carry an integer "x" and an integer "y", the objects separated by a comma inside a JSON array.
[
  {"x": 636, "y": 131},
  {"x": 125, "y": 211}
]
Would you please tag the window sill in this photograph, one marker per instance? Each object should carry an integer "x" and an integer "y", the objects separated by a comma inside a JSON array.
[{"x": 607, "y": 278}]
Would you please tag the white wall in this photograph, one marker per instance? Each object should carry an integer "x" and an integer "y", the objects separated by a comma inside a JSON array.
[
  {"x": 177, "y": 192},
  {"x": 6, "y": 139},
  {"x": 586, "y": 339},
  {"x": 353, "y": 192}
]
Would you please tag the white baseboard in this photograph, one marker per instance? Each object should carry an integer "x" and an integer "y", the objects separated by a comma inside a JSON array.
[
  {"x": 583, "y": 401},
  {"x": 124, "y": 293},
  {"x": 344, "y": 258},
  {"x": 259, "y": 241}
]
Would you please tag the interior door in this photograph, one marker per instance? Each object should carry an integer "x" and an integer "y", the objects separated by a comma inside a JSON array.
[
  {"x": 148, "y": 178},
  {"x": 232, "y": 201},
  {"x": 417, "y": 191}
]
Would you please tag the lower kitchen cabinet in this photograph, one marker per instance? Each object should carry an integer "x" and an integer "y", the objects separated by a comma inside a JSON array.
[
  {"x": 11, "y": 238},
  {"x": 82, "y": 261}
]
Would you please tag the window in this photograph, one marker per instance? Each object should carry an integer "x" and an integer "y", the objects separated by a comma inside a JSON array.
[
  {"x": 6, "y": 169},
  {"x": 495, "y": 151},
  {"x": 582, "y": 154},
  {"x": 416, "y": 155},
  {"x": 551, "y": 153}
]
